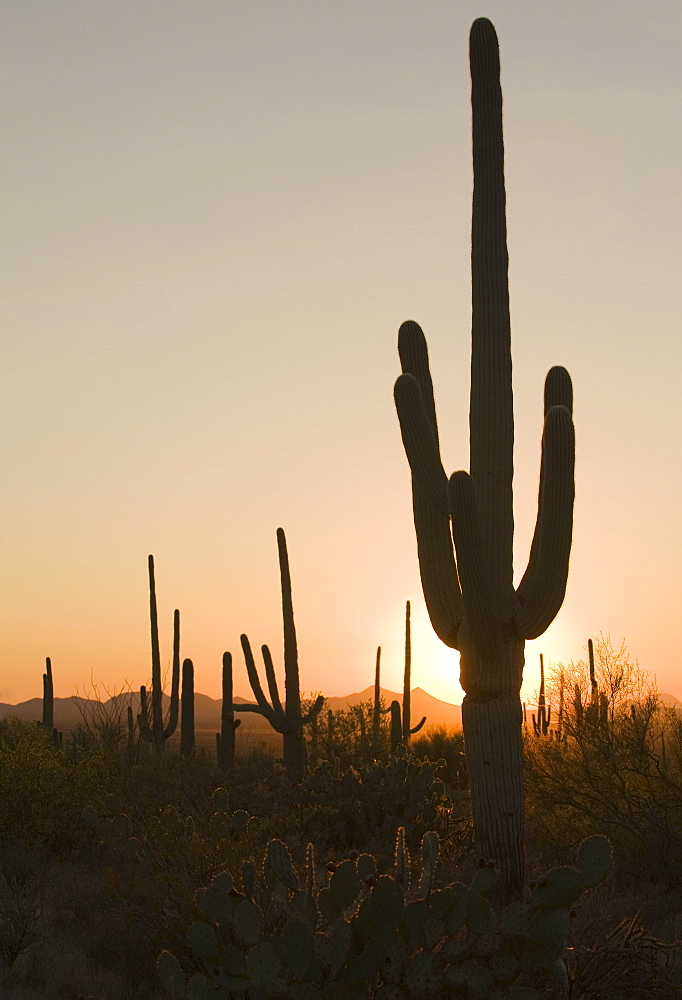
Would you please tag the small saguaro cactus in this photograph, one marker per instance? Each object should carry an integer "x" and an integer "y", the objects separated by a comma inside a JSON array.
[
  {"x": 187, "y": 717},
  {"x": 407, "y": 677},
  {"x": 161, "y": 732},
  {"x": 542, "y": 723},
  {"x": 228, "y": 724},
  {"x": 469, "y": 592},
  {"x": 286, "y": 719},
  {"x": 48, "y": 697}
]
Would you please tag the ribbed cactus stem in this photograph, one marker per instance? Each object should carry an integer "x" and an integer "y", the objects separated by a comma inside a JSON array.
[
  {"x": 48, "y": 697},
  {"x": 187, "y": 707},
  {"x": 468, "y": 588}
]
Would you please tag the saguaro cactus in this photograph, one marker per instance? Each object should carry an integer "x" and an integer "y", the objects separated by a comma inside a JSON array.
[
  {"x": 407, "y": 678},
  {"x": 160, "y": 732},
  {"x": 376, "y": 708},
  {"x": 228, "y": 724},
  {"x": 469, "y": 592},
  {"x": 542, "y": 723},
  {"x": 187, "y": 717},
  {"x": 48, "y": 697},
  {"x": 288, "y": 719}
]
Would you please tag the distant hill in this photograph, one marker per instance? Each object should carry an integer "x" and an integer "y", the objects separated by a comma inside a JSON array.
[
  {"x": 439, "y": 713},
  {"x": 68, "y": 712}
]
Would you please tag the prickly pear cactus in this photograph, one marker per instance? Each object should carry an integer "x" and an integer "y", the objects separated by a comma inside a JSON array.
[{"x": 361, "y": 935}]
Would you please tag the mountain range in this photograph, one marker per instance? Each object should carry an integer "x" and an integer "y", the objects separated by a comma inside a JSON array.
[{"x": 69, "y": 712}]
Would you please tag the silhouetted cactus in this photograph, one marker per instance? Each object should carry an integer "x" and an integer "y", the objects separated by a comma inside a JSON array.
[
  {"x": 187, "y": 716},
  {"x": 144, "y": 716},
  {"x": 228, "y": 724},
  {"x": 542, "y": 724},
  {"x": 159, "y": 732},
  {"x": 407, "y": 677},
  {"x": 376, "y": 709},
  {"x": 288, "y": 719},
  {"x": 48, "y": 697},
  {"x": 469, "y": 592}
]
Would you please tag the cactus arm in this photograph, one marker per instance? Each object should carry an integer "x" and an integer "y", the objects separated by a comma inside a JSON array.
[
  {"x": 420, "y": 725},
  {"x": 272, "y": 682},
  {"x": 314, "y": 710},
  {"x": 558, "y": 392},
  {"x": 491, "y": 422},
  {"x": 485, "y": 633},
  {"x": 175, "y": 680},
  {"x": 420, "y": 445},
  {"x": 262, "y": 707},
  {"x": 414, "y": 360},
  {"x": 413, "y": 396},
  {"x": 543, "y": 586}
]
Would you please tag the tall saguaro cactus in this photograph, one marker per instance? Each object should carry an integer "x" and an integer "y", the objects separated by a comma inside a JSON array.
[
  {"x": 407, "y": 679},
  {"x": 160, "y": 732},
  {"x": 286, "y": 719},
  {"x": 225, "y": 740},
  {"x": 48, "y": 697},
  {"x": 469, "y": 592}
]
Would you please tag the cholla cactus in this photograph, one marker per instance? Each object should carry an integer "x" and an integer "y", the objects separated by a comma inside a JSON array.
[{"x": 469, "y": 592}]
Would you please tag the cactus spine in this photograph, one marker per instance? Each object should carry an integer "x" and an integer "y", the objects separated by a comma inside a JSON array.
[
  {"x": 288, "y": 719},
  {"x": 469, "y": 591},
  {"x": 48, "y": 697},
  {"x": 187, "y": 718},
  {"x": 228, "y": 724}
]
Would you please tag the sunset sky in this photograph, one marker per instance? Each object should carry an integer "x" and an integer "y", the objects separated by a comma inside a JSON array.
[{"x": 215, "y": 217}]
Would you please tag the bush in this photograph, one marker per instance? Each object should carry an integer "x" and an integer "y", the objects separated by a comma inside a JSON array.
[{"x": 42, "y": 792}]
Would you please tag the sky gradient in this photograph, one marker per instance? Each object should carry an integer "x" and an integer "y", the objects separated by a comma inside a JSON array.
[{"x": 216, "y": 216}]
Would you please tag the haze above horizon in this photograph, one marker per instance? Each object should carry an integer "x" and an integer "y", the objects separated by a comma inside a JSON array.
[{"x": 217, "y": 217}]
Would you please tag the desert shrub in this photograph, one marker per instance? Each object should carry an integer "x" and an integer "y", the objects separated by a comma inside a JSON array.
[
  {"x": 616, "y": 771},
  {"x": 357, "y": 807},
  {"x": 346, "y": 735},
  {"x": 42, "y": 793},
  {"x": 444, "y": 743}
]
